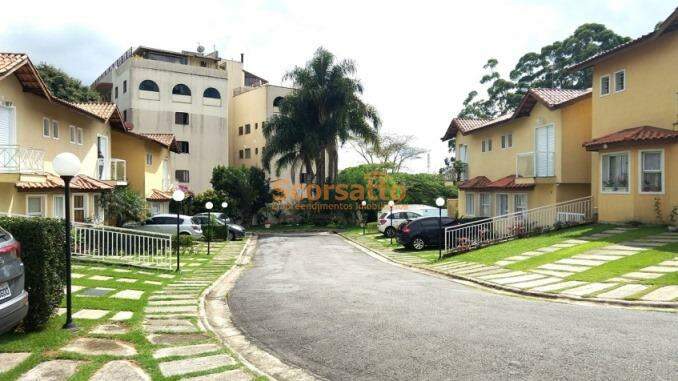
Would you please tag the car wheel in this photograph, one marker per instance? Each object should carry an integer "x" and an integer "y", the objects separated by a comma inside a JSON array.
[
  {"x": 231, "y": 236},
  {"x": 418, "y": 243},
  {"x": 390, "y": 232}
]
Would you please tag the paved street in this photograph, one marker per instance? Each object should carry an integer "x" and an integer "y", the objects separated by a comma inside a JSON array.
[{"x": 321, "y": 304}]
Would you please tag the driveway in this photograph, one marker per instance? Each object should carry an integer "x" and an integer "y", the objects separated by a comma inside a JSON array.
[{"x": 323, "y": 305}]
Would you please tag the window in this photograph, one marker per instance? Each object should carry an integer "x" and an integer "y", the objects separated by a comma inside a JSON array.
[
  {"x": 80, "y": 136},
  {"x": 507, "y": 141},
  {"x": 35, "y": 206},
  {"x": 545, "y": 147},
  {"x": 256, "y": 151},
  {"x": 79, "y": 207},
  {"x": 148, "y": 85},
  {"x": 463, "y": 153},
  {"x": 486, "y": 145},
  {"x": 124, "y": 86},
  {"x": 55, "y": 129},
  {"x": 181, "y": 118},
  {"x": 59, "y": 206},
  {"x": 72, "y": 132},
  {"x": 619, "y": 81},
  {"x": 45, "y": 127},
  {"x": 615, "y": 172},
  {"x": 116, "y": 92},
  {"x": 241, "y": 154},
  {"x": 604, "y": 85},
  {"x": 277, "y": 102},
  {"x": 211, "y": 92},
  {"x": 256, "y": 126},
  {"x": 502, "y": 204},
  {"x": 181, "y": 89},
  {"x": 652, "y": 171},
  {"x": 203, "y": 64},
  {"x": 248, "y": 153},
  {"x": 248, "y": 129},
  {"x": 520, "y": 202},
  {"x": 262, "y": 125},
  {"x": 181, "y": 175},
  {"x": 124, "y": 115},
  {"x": 470, "y": 204},
  {"x": 485, "y": 205},
  {"x": 149, "y": 158},
  {"x": 240, "y": 130},
  {"x": 183, "y": 146}
]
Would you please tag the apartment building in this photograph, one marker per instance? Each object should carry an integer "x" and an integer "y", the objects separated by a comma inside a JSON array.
[
  {"x": 529, "y": 158},
  {"x": 634, "y": 141}
]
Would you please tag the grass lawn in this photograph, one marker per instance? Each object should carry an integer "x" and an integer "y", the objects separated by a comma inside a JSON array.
[{"x": 44, "y": 345}]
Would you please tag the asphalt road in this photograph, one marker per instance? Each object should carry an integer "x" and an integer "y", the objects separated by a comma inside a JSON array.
[{"x": 318, "y": 303}]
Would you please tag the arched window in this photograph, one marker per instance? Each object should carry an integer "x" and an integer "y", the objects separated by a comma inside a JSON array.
[
  {"x": 148, "y": 85},
  {"x": 277, "y": 101},
  {"x": 181, "y": 89},
  {"x": 211, "y": 92}
]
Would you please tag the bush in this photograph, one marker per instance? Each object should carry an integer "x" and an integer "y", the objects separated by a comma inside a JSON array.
[
  {"x": 42, "y": 252},
  {"x": 184, "y": 240}
]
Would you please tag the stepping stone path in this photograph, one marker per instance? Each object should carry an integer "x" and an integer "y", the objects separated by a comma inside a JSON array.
[
  {"x": 109, "y": 329},
  {"x": 194, "y": 365},
  {"x": 9, "y": 361},
  {"x": 90, "y": 346},
  {"x": 120, "y": 370},
  {"x": 122, "y": 315},
  {"x": 128, "y": 294},
  {"x": 54, "y": 370},
  {"x": 88, "y": 314}
]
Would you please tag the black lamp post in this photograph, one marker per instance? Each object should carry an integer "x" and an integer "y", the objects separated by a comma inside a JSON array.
[
  {"x": 440, "y": 202},
  {"x": 67, "y": 165},
  {"x": 178, "y": 196},
  {"x": 362, "y": 214},
  {"x": 390, "y": 216},
  {"x": 208, "y": 206},
  {"x": 224, "y": 205}
]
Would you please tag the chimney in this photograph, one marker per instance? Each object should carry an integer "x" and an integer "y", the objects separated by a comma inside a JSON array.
[{"x": 242, "y": 57}]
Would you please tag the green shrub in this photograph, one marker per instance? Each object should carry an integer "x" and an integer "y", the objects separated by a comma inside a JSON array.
[
  {"x": 209, "y": 232},
  {"x": 42, "y": 252},
  {"x": 184, "y": 240}
]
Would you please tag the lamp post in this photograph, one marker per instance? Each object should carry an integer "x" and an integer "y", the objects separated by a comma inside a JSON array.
[
  {"x": 363, "y": 203},
  {"x": 440, "y": 202},
  {"x": 224, "y": 205},
  {"x": 67, "y": 165},
  {"x": 178, "y": 196},
  {"x": 208, "y": 206},
  {"x": 390, "y": 216}
]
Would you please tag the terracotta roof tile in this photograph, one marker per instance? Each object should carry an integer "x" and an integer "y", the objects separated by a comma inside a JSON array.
[
  {"x": 10, "y": 61},
  {"x": 103, "y": 110},
  {"x": 158, "y": 195},
  {"x": 557, "y": 97},
  {"x": 475, "y": 183},
  {"x": 166, "y": 140},
  {"x": 633, "y": 136},
  {"x": 81, "y": 183},
  {"x": 508, "y": 183}
]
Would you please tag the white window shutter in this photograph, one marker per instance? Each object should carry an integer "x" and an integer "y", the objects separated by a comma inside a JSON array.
[
  {"x": 551, "y": 165},
  {"x": 5, "y": 124}
]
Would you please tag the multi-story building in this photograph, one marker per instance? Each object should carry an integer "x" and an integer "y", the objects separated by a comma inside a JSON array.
[
  {"x": 635, "y": 126},
  {"x": 526, "y": 159},
  {"x": 180, "y": 93}
]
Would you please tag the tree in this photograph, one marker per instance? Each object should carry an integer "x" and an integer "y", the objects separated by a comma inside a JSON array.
[
  {"x": 389, "y": 149},
  {"x": 546, "y": 68},
  {"x": 246, "y": 189},
  {"x": 423, "y": 188},
  {"x": 320, "y": 115},
  {"x": 64, "y": 86},
  {"x": 123, "y": 204}
]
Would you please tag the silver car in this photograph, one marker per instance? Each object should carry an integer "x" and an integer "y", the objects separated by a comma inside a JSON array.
[
  {"x": 167, "y": 223},
  {"x": 13, "y": 297}
]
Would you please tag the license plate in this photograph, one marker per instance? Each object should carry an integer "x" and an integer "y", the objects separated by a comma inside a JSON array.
[{"x": 5, "y": 292}]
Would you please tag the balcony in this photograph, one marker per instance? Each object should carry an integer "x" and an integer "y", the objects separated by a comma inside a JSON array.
[
  {"x": 117, "y": 171},
  {"x": 525, "y": 165},
  {"x": 530, "y": 166},
  {"x": 17, "y": 159}
]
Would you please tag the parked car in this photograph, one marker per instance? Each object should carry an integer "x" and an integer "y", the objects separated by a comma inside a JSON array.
[
  {"x": 13, "y": 297},
  {"x": 403, "y": 214},
  {"x": 422, "y": 232},
  {"x": 167, "y": 223},
  {"x": 235, "y": 231}
]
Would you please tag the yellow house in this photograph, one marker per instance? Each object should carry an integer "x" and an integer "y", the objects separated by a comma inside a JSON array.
[
  {"x": 635, "y": 126},
  {"x": 526, "y": 159}
]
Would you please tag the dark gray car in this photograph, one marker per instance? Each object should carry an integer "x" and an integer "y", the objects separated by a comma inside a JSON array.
[{"x": 13, "y": 297}]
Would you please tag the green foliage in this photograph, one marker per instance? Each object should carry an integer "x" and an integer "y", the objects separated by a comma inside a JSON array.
[
  {"x": 546, "y": 68},
  {"x": 123, "y": 204},
  {"x": 198, "y": 202},
  {"x": 184, "y": 240},
  {"x": 43, "y": 254},
  {"x": 64, "y": 86},
  {"x": 423, "y": 188},
  {"x": 246, "y": 189}
]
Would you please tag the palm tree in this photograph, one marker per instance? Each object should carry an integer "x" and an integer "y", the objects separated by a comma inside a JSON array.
[{"x": 323, "y": 112}]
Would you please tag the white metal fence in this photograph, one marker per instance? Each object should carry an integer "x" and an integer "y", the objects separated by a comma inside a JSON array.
[
  {"x": 16, "y": 159},
  {"x": 484, "y": 232},
  {"x": 127, "y": 246}
]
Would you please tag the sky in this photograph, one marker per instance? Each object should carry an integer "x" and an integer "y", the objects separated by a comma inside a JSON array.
[{"x": 416, "y": 60}]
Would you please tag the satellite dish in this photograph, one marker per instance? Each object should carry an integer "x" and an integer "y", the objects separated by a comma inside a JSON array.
[{"x": 201, "y": 49}]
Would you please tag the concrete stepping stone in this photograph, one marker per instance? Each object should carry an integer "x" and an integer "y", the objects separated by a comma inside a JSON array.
[
  {"x": 476, "y": 270},
  {"x": 175, "y": 302},
  {"x": 54, "y": 370},
  {"x": 558, "y": 286},
  {"x": 170, "y": 329},
  {"x": 536, "y": 282},
  {"x": 88, "y": 314},
  {"x": 642, "y": 275},
  {"x": 598, "y": 257},
  {"x": 109, "y": 329},
  {"x": 128, "y": 294},
  {"x": 77, "y": 275},
  {"x": 564, "y": 245},
  {"x": 120, "y": 370},
  {"x": 588, "y": 289},
  {"x": 100, "y": 277},
  {"x": 153, "y": 282},
  {"x": 505, "y": 262},
  {"x": 188, "y": 350},
  {"x": 645, "y": 244},
  {"x": 122, "y": 316},
  {"x": 468, "y": 268},
  {"x": 95, "y": 292},
  {"x": 669, "y": 263},
  {"x": 74, "y": 288},
  {"x": 568, "y": 268},
  {"x": 517, "y": 279},
  {"x": 172, "y": 297},
  {"x": 623, "y": 247},
  {"x": 490, "y": 272},
  {"x": 663, "y": 294},
  {"x": 176, "y": 322},
  {"x": 166, "y": 276},
  {"x": 621, "y": 280},
  {"x": 548, "y": 249},
  {"x": 122, "y": 270},
  {"x": 170, "y": 309},
  {"x": 196, "y": 364},
  {"x": 502, "y": 275},
  {"x": 555, "y": 273},
  {"x": 531, "y": 253},
  {"x": 176, "y": 339},
  {"x": 9, "y": 361},
  {"x": 622, "y": 292},
  {"x": 175, "y": 315},
  {"x": 126, "y": 280},
  {"x": 95, "y": 347},
  {"x": 580, "y": 262},
  {"x": 660, "y": 269},
  {"x": 575, "y": 241},
  {"x": 229, "y": 375},
  {"x": 516, "y": 258}
]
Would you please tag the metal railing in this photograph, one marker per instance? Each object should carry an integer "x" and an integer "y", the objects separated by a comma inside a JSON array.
[
  {"x": 525, "y": 164},
  {"x": 117, "y": 170},
  {"x": 123, "y": 246},
  {"x": 492, "y": 230},
  {"x": 17, "y": 159}
]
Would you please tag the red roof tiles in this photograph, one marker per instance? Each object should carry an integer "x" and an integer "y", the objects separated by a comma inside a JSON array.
[
  {"x": 633, "y": 136},
  {"x": 482, "y": 183},
  {"x": 80, "y": 183},
  {"x": 158, "y": 195},
  {"x": 475, "y": 183}
]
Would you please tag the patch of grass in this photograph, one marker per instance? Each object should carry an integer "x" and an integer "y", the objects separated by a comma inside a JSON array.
[{"x": 664, "y": 280}]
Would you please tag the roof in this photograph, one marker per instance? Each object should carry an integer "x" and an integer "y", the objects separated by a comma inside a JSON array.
[
  {"x": 508, "y": 183},
  {"x": 166, "y": 140},
  {"x": 633, "y": 136},
  {"x": 80, "y": 183},
  {"x": 105, "y": 111},
  {"x": 668, "y": 25},
  {"x": 20, "y": 65},
  {"x": 475, "y": 183},
  {"x": 158, "y": 195}
]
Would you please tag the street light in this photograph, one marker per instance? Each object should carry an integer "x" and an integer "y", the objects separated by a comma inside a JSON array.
[
  {"x": 178, "y": 196},
  {"x": 390, "y": 205},
  {"x": 67, "y": 165},
  {"x": 440, "y": 202},
  {"x": 363, "y": 203},
  {"x": 224, "y": 205},
  {"x": 208, "y": 206}
]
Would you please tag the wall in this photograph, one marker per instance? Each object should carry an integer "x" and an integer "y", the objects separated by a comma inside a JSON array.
[
  {"x": 249, "y": 108},
  {"x": 540, "y": 195},
  {"x": 142, "y": 178},
  {"x": 575, "y": 160}
]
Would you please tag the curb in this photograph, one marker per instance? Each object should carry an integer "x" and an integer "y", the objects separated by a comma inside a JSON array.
[
  {"x": 215, "y": 315},
  {"x": 664, "y": 306}
]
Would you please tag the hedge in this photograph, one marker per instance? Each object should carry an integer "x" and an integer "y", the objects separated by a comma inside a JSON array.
[{"x": 42, "y": 252}]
